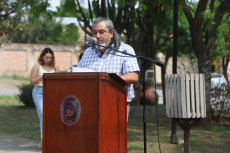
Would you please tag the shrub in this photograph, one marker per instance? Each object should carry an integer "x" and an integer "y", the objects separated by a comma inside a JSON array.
[
  {"x": 25, "y": 95},
  {"x": 219, "y": 101}
]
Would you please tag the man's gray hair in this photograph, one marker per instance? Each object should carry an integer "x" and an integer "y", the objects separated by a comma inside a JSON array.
[{"x": 109, "y": 24}]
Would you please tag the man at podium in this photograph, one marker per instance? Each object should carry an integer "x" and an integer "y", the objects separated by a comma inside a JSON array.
[{"x": 104, "y": 59}]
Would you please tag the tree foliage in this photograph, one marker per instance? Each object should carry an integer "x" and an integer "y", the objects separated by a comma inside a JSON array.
[
  {"x": 141, "y": 22},
  {"x": 222, "y": 45},
  {"x": 30, "y": 21},
  {"x": 15, "y": 13},
  {"x": 9, "y": 17},
  {"x": 46, "y": 31},
  {"x": 203, "y": 23},
  {"x": 184, "y": 47}
]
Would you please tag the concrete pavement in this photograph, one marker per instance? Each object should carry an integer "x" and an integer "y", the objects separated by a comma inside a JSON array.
[
  {"x": 13, "y": 144},
  {"x": 9, "y": 92}
]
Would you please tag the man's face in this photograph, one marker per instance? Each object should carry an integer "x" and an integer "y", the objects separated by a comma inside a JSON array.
[{"x": 101, "y": 32}]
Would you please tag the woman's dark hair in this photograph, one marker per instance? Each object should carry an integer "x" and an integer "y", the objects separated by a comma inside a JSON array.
[
  {"x": 109, "y": 24},
  {"x": 43, "y": 53}
]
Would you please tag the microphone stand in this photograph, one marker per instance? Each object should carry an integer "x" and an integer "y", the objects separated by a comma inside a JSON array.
[
  {"x": 143, "y": 63},
  {"x": 144, "y": 60}
]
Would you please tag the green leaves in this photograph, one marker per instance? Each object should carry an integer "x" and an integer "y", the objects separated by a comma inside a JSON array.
[
  {"x": 71, "y": 33},
  {"x": 66, "y": 9},
  {"x": 9, "y": 21},
  {"x": 29, "y": 21},
  {"x": 222, "y": 44},
  {"x": 121, "y": 3},
  {"x": 47, "y": 31},
  {"x": 207, "y": 14}
]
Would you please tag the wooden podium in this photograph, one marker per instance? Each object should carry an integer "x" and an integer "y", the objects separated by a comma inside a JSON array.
[{"x": 98, "y": 102}]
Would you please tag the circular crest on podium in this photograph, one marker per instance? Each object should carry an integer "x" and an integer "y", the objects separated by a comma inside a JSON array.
[{"x": 70, "y": 110}]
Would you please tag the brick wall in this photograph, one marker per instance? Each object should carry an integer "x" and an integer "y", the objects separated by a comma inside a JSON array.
[{"x": 18, "y": 59}]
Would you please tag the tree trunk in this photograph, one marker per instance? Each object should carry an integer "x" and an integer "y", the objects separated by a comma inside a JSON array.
[
  {"x": 225, "y": 62},
  {"x": 205, "y": 68},
  {"x": 204, "y": 62}
]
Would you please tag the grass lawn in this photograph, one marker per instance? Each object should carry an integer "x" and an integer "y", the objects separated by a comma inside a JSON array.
[
  {"x": 12, "y": 82},
  {"x": 215, "y": 139},
  {"x": 17, "y": 120}
]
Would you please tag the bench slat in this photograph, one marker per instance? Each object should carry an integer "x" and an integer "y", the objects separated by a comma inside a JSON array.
[
  {"x": 179, "y": 97},
  {"x": 171, "y": 97},
  {"x": 167, "y": 95},
  {"x": 183, "y": 100},
  {"x": 176, "y": 98},
  {"x": 188, "y": 95},
  {"x": 197, "y": 90}
]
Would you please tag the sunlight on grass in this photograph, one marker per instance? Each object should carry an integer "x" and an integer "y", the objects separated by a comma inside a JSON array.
[
  {"x": 9, "y": 101},
  {"x": 15, "y": 119},
  {"x": 15, "y": 77},
  {"x": 201, "y": 140},
  {"x": 12, "y": 82}
]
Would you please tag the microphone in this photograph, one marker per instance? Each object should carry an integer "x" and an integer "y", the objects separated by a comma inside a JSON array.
[
  {"x": 92, "y": 42},
  {"x": 159, "y": 63},
  {"x": 151, "y": 61}
]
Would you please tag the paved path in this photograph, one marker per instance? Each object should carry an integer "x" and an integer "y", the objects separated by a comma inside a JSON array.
[
  {"x": 13, "y": 144},
  {"x": 9, "y": 92}
]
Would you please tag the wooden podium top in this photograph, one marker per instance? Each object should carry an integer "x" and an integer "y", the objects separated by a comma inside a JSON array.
[{"x": 110, "y": 77}]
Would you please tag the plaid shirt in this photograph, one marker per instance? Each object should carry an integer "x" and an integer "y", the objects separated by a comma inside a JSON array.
[{"x": 111, "y": 63}]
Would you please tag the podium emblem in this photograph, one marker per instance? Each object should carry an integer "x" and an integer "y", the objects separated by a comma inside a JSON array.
[{"x": 70, "y": 110}]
